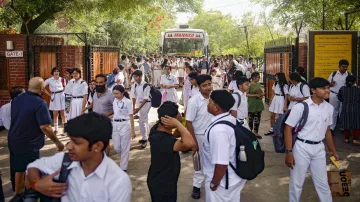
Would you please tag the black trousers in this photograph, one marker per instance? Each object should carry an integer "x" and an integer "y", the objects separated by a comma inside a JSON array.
[{"x": 157, "y": 195}]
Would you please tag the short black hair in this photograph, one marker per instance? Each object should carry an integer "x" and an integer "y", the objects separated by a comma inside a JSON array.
[
  {"x": 91, "y": 126},
  {"x": 193, "y": 75},
  {"x": 15, "y": 91},
  {"x": 202, "y": 78},
  {"x": 167, "y": 66},
  {"x": 133, "y": 65},
  {"x": 168, "y": 108},
  {"x": 237, "y": 75},
  {"x": 295, "y": 77},
  {"x": 101, "y": 76},
  {"x": 300, "y": 70},
  {"x": 121, "y": 67},
  {"x": 137, "y": 73},
  {"x": 350, "y": 80},
  {"x": 318, "y": 82},
  {"x": 223, "y": 99},
  {"x": 123, "y": 57},
  {"x": 69, "y": 70},
  {"x": 190, "y": 68},
  {"x": 254, "y": 74},
  {"x": 54, "y": 69},
  {"x": 138, "y": 59},
  {"x": 343, "y": 62},
  {"x": 241, "y": 81},
  {"x": 78, "y": 70}
]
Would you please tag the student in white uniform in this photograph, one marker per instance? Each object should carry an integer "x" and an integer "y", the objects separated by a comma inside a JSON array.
[
  {"x": 157, "y": 72},
  {"x": 337, "y": 80},
  {"x": 219, "y": 150},
  {"x": 232, "y": 86},
  {"x": 123, "y": 125},
  {"x": 169, "y": 83},
  {"x": 68, "y": 82},
  {"x": 194, "y": 86},
  {"x": 93, "y": 176},
  {"x": 141, "y": 98},
  {"x": 240, "y": 108},
  {"x": 187, "y": 85},
  {"x": 298, "y": 91},
  {"x": 79, "y": 95},
  {"x": 181, "y": 71},
  {"x": 216, "y": 80},
  {"x": 120, "y": 77},
  {"x": 57, "y": 97},
  {"x": 309, "y": 153},
  {"x": 173, "y": 63},
  {"x": 197, "y": 120},
  {"x": 279, "y": 100}
]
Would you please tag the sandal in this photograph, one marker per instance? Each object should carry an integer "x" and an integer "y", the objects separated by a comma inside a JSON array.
[
  {"x": 356, "y": 142},
  {"x": 346, "y": 140}
]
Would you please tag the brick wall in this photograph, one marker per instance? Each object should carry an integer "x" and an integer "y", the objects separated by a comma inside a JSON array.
[
  {"x": 73, "y": 56},
  {"x": 17, "y": 67},
  {"x": 303, "y": 55}
]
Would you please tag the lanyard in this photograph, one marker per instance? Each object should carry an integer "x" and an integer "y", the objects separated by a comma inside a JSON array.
[{"x": 122, "y": 106}]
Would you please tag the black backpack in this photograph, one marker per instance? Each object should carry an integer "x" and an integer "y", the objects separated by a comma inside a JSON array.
[
  {"x": 278, "y": 137},
  {"x": 155, "y": 95},
  {"x": 301, "y": 87},
  {"x": 255, "y": 163},
  {"x": 334, "y": 73}
]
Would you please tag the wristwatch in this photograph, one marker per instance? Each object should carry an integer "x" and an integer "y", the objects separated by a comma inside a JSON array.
[{"x": 288, "y": 150}]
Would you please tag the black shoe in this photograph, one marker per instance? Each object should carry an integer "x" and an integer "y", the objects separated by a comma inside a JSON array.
[
  {"x": 195, "y": 193},
  {"x": 16, "y": 198},
  {"x": 144, "y": 144},
  {"x": 259, "y": 137},
  {"x": 136, "y": 117},
  {"x": 141, "y": 141},
  {"x": 269, "y": 133}
]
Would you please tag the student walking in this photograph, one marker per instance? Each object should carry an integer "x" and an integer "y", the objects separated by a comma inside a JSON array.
[
  {"x": 187, "y": 85},
  {"x": 298, "y": 91},
  {"x": 232, "y": 86},
  {"x": 279, "y": 100},
  {"x": 57, "y": 97},
  {"x": 140, "y": 95},
  {"x": 308, "y": 152},
  {"x": 169, "y": 83},
  {"x": 240, "y": 108},
  {"x": 349, "y": 96},
  {"x": 164, "y": 147},
  {"x": 197, "y": 120},
  {"x": 123, "y": 125},
  {"x": 79, "y": 95},
  {"x": 219, "y": 151},
  {"x": 68, "y": 83},
  {"x": 256, "y": 105}
]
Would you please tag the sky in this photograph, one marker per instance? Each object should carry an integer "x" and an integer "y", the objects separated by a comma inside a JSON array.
[{"x": 234, "y": 7}]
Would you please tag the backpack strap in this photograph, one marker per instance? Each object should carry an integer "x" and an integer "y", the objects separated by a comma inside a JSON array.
[
  {"x": 303, "y": 118},
  {"x": 332, "y": 76},
  {"x": 239, "y": 96},
  {"x": 82, "y": 81},
  {"x": 64, "y": 172},
  {"x": 301, "y": 88}
]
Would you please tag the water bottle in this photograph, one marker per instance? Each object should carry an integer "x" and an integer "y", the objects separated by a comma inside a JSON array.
[
  {"x": 196, "y": 161},
  {"x": 242, "y": 156}
]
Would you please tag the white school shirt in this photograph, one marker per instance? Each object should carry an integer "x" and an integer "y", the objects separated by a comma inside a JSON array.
[
  {"x": 340, "y": 80},
  {"x": 119, "y": 76},
  {"x": 277, "y": 90},
  {"x": 295, "y": 91},
  {"x": 198, "y": 114},
  {"x": 79, "y": 88},
  {"x": 108, "y": 183},
  {"x": 69, "y": 87},
  {"x": 54, "y": 85},
  {"x": 122, "y": 108},
  {"x": 195, "y": 90},
  {"x": 139, "y": 93},
  {"x": 233, "y": 86},
  {"x": 215, "y": 82},
  {"x": 320, "y": 117},
  {"x": 169, "y": 81},
  {"x": 5, "y": 115},
  {"x": 242, "y": 110},
  {"x": 220, "y": 149}
]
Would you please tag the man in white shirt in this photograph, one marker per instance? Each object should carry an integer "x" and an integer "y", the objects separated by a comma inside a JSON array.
[
  {"x": 197, "y": 120},
  {"x": 337, "y": 80},
  {"x": 141, "y": 97},
  {"x": 219, "y": 151},
  {"x": 308, "y": 152},
  {"x": 93, "y": 175},
  {"x": 240, "y": 108}
]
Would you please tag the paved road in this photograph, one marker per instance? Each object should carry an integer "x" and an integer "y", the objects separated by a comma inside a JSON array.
[{"x": 269, "y": 186}]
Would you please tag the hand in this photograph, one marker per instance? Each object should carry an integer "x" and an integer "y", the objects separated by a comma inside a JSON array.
[
  {"x": 136, "y": 110},
  {"x": 333, "y": 83},
  {"x": 334, "y": 154},
  {"x": 133, "y": 135},
  {"x": 289, "y": 160},
  {"x": 68, "y": 110},
  {"x": 48, "y": 187},
  {"x": 60, "y": 146},
  {"x": 285, "y": 108},
  {"x": 170, "y": 122},
  {"x": 214, "y": 188},
  {"x": 196, "y": 147}
]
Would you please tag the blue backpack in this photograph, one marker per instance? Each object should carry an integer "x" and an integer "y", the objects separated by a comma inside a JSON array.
[
  {"x": 278, "y": 137},
  {"x": 110, "y": 80}
]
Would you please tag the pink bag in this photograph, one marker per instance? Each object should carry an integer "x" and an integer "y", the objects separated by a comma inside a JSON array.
[{"x": 163, "y": 97}]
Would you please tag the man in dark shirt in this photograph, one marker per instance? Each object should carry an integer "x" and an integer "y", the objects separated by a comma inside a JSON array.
[
  {"x": 30, "y": 120},
  {"x": 165, "y": 160}
]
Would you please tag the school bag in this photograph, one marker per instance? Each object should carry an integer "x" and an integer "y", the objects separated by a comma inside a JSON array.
[
  {"x": 255, "y": 162},
  {"x": 155, "y": 95},
  {"x": 239, "y": 97},
  {"x": 278, "y": 137},
  {"x": 110, "y": 80},
  {"x": 301, "y": 87}
]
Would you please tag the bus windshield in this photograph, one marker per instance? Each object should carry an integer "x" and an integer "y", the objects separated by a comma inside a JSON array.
[{"x": 183, "y": 47}]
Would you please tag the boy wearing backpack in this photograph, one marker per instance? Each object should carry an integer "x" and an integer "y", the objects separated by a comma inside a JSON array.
[
  {"x": 141, "y": 97},
  {"x": 308, "y": 152},
  {"x": 219, "y": 151},
  {"x": 298, "y": 91},
  {"x": 240, "y": 108}
]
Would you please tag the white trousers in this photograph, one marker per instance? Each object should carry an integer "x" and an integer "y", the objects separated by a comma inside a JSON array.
[
  {"x": 157, "y": 77},
  {"x": 246, "y": 124},
  {"x": 144, "y": 120},
  {"x": 186, "y": 97},
  {"x": 232, "y": 194},
  {"x": 204, "y": 71},
  {"x": 121, "y": 138},
  {"x": 334, "y": 101},
  {"x": 199, "y": 175},
  {"x": 312, "y": 157},
  {"x": 75, "y": 108}
]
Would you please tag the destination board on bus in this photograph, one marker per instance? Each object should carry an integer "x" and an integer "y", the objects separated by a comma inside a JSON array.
[{"x": 183, "y": 35}]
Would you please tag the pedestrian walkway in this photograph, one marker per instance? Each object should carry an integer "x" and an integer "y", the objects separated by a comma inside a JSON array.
[{"x": 269, "y": 186}]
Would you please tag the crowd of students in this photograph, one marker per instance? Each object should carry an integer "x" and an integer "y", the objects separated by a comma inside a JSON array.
[{"x": 222, "y": 89}]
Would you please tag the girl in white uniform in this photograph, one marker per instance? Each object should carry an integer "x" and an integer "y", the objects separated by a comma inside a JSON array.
[
  {"x": 181, "y": 71},
  {"x": 174, "y": 66},
  {"x": 169, "y": 83},
  {"x": 123, "y": 125},
  {"x": 187, "y": 85},
  {"x": 57, "y": 97},
  {"x": 79, "y": 95},
  {"x": 68, "y": 82},
  {"x": 279, "y": 100},
  {"x": 298, "y": 91}
]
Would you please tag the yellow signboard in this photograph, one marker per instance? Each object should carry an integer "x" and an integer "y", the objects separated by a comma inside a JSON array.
[{"x": 329, "y": 50}]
